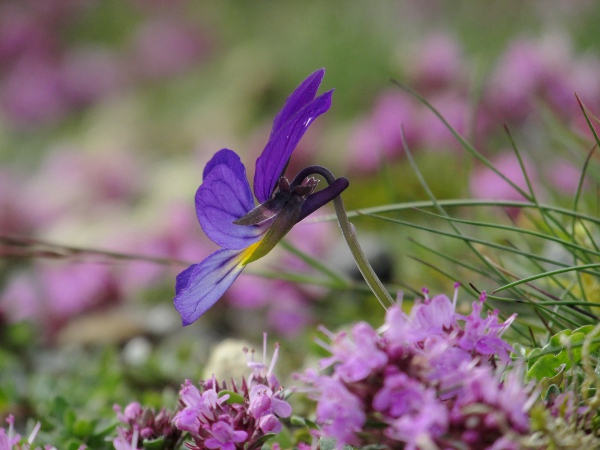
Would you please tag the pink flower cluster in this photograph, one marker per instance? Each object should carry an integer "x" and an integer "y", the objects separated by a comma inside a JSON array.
[
  {"x": 426, "y": 379},
  {"x": 218, "y": 417},
  {"x": 12, "y": 441},
  {"x": 43, "y": 77},
  {"x": 70, "y": 191},
  {"x": 530, "y": 75},
  {"x": 142, "y": 427}
]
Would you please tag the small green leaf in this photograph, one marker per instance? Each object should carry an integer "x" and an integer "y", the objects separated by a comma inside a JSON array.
[
  {"x": 155, "y": 444},
  {"x": 546, "y": 366},
  {"x": 259, "y": 443},
  {"x": 297, "y": 421},
  {"x": 234, "y": 397},
  {"x": 82, "y": 428},
  {"x": 551, "y": 392},
  {"x": 329, "y": 444},
  {"x": 310, "y": 424},
  {"x": 69, "y": 419}
]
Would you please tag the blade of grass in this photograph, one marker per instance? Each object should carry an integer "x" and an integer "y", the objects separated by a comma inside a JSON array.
[
  {"x": 574, "y": 220},
  {"x": 458, "y": 262},
  {"x": 474, "y": 240},
  {"x": 315, "y": 264},
  {"x": 546, "y": 274},
  {"x": 460, "y": 139},
  {"x": 432, "y": 197},
  {"x": 26, "y": 247},
  {"x": 458, "y": 203},
  {"x": 515, "y": 230},
  {"x": 527, "y": 180},
  {"x": 556, "y": 299}
]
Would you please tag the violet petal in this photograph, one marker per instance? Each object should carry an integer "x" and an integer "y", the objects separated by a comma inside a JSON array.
[
  {"x": 201, "y": 285},
  {"x": 320, "y": 198},
  {"x": 302, "y": 95},
  {"x": 223, "y": 197},
  {"x": 288, "y": 128}
]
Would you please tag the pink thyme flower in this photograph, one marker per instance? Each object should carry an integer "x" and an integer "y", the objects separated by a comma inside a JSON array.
[
  {"x": 266, "y": 407},
  {"x": 483, "y": 335},
  {"x": 224, "y": 435},
  {"x": 142, "y": 425},
  {"x": 339, "y": 412},
  {"x": 10, "y": 440},
  {"x": 358, "y": 356},
  {"x": 417, "y": 381},
  {"x": 236, "y": 419}
]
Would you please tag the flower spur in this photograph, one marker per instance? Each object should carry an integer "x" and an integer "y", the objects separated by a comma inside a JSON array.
[{"x": 225, "y": 205}]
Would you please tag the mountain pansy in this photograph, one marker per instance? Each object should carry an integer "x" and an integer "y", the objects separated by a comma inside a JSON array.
[{"x": 225, "y": 206}]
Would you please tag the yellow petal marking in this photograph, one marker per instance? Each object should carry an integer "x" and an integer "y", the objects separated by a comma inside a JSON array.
[{"x": 247, "y": 253}]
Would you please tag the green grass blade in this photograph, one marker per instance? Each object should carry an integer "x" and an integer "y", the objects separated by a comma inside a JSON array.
[
  {"x": 547, "y": 274},
  {"x": 314, "y": 263},
  {"x": 460, "y": 139}
]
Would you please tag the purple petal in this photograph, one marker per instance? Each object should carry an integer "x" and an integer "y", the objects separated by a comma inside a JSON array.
[
  {"x": 230, "y": 159},
  {"x": 302, "y": 96},
  {"x": 320, "y": 198},
  {"x": 200, "y": 286},
  {"x": 183, "y": 279},
  {"x": 223, "y": 197},
  {"x": 288, "y": 128}
]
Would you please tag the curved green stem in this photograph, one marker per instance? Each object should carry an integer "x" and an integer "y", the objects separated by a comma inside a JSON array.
[
  {"x": 365, "y": 268},
  {"x": 349, "y": 233}
]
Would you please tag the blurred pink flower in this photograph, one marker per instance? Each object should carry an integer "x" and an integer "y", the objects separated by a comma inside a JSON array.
[
  {"x": 455, "y": 109},
  {"x": 16, "y": 216},
  {"x": 55, "y": 292},
  {"x": 289, "y": 312},
  {"x": 31, "y": 94},
  {"x": 75, "y": 182},
  {"x": 564, "y": 176},
  {"x": 376, "y": 139},
  {"x": 23, "y": 34},
  {"x": 438, "y": 63},
  {"x": 539, "y": 70},
  {"x": 488, "y": 185},
  {"x": 89, "y": 74},
  {"x": 250, "y": 292},
  {"x": 164, "y": 47}
]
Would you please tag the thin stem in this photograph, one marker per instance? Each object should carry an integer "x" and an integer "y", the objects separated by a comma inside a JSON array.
[
  {"x": 26, "y": 247},
  {"x": 349, "y": 233}
]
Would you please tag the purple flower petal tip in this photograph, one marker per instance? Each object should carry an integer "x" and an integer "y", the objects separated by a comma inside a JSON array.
[
  {"x": 299, "y": 112},
  {"x": 200, "y": 286},
  {"x": 224, "y": 197}
]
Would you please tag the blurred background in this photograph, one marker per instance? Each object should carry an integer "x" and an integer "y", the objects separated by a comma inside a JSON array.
[{"x": 110, "y": 109}]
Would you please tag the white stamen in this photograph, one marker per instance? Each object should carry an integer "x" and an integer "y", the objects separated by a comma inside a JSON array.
[
  {"x": 134, "y": 438},
  {"x": 273, "y": 359},
  {"x": 265, "y": 349},
  {"x": 34, "y": 433}
]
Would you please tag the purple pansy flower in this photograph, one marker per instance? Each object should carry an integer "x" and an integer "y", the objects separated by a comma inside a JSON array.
[{"x": 225, "y": 206}]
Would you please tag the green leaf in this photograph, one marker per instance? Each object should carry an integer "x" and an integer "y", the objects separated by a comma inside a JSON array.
[
  {"x": 69, "y": 419},
  {"x": 556, "y": 357},
  {"x": 258, "y": 444},
  {"x": 155, "y": 444},
  {"x": 552, "y": 391},
  {"x": 297, "y": 421},
  {"x": 234, "y": 397},
  {"x": 82, "y": 428},
  {"x": 329, "y": 444}
]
